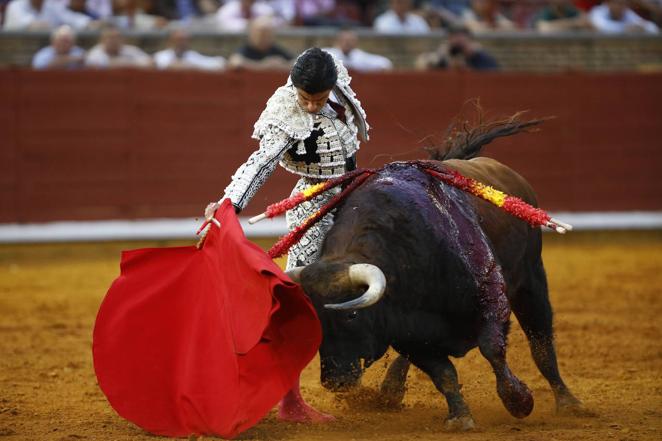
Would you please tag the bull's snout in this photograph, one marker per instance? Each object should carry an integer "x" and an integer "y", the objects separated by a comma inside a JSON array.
[{"x": 340, "y": 377}]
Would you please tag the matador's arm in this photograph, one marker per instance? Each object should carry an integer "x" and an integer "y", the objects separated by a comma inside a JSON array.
[{"x": 248, "y": 178}]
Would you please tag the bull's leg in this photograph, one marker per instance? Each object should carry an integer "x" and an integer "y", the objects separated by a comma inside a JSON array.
[
  {"x": 534, "y": 313},
  {"x": 444, "y": 376},
  {"x": 514, "y": 394},
  {"x": 393, "y": 388}
]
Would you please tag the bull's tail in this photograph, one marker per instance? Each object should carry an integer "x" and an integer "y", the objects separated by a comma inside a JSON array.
[{"x": 465, "y": 139}]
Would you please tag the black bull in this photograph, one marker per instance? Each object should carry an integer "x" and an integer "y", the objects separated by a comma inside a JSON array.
[{"x": 455, "y": 265}]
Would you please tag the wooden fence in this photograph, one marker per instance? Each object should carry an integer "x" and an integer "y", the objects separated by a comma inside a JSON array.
[{"x": 134, "y": 144}]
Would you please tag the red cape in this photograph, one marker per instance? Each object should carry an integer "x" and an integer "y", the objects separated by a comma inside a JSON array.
[{"x": 202, "y": 341}]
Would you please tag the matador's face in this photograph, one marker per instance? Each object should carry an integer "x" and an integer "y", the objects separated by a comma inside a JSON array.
[{"x": 312, "y": 102}]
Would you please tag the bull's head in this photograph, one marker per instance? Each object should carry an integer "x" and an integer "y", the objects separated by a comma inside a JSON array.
[{"x": 352, "y": 334}]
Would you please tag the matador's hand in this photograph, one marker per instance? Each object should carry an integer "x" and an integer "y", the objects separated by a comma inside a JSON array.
[{"x": 211, "y": 209}]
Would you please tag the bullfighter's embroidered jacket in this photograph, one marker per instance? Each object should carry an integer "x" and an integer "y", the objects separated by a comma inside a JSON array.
[{"x": 312, "y": 146}]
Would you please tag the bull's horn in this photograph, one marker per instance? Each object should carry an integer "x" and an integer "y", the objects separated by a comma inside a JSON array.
[
  {"x": 364, "y": 274},
  {"x": 295, "y": 274}
]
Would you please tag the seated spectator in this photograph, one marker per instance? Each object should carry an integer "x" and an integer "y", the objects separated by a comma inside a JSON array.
[
  {"x": 134, "y": 15},
  {"x": 111, "y": 52},
  {"x": 42, "y": 15},
  {"x": 61, "y": 54},
  {"x": 183, "y": 10},
  {"x": 179, "y": 56},
  {"x": 484, "y": 16},
  {"x": 460, "y": 52},
  {"x": 561, "y": 16},
  {"x": 301, "y": 12},
  {"x": 357, "y": 12},
  {"x": 614, "y": 17},
  {"x": 400, "y": 20},
  {"x": 95, "y": 9},
  {"x": 317, "y": 12},
  {"x": 261, "y": 52},
  {"x": 346, "y": 50},
  {"x": 456, "y": 7},
  {"x": 99, "y": 9},
  {"x": 444, "y": 13},
  {"x": 235, "y": 15}
]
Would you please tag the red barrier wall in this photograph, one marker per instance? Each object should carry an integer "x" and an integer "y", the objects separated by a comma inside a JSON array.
[{"x": 133, "y": 144}]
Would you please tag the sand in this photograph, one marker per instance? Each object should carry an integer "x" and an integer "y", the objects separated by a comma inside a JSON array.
[{"x": 605, "y": 289}]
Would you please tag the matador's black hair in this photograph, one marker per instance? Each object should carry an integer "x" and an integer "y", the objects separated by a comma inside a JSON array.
[{"x": 314, "y": 71}]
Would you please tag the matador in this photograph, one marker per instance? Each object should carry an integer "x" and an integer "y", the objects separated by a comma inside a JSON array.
[{"x": 312, "y": 126}]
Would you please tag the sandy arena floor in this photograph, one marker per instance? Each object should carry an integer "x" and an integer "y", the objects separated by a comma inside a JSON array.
[{"x": 606, "y": 290}]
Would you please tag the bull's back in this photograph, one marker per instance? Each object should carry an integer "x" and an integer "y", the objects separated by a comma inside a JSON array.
[
  {"x": 514, "y": 241},
  {"x": 491, "y": 172}
]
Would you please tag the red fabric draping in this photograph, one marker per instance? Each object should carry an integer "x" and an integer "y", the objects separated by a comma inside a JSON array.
[{"x": 202, "y": 341}]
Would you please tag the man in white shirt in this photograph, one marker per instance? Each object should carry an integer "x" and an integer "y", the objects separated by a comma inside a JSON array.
[
  {"x": 61, "y": 54},
  {"x": 42, "y": 14},
  {"x": 179, "y": 56},
  {"x": 399, "y": 20},
  {"x": 614, "y": 17},
  {"x": 111, "y": 52},
  {"x": 346, "y": 50}
]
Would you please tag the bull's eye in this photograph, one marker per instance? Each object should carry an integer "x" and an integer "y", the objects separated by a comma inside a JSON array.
[{"x": 352, "y": 315}]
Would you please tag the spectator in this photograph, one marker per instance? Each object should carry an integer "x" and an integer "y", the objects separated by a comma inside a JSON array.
[
  {"x": 444, "y": 13},
  {"x": 95, "y": 9},
  {"x": 261, "y": 52},
  {"x": 460, "y": 52},
  {"x": 99, "y": 9},
  {"x": 111, "y": 52},
  {"x": 179, "y": 56},
  {"x": 41, "y": 15},
  {"x": 484, "y": 16},
  {"x": 235, "y": 15},
  {"x": 360, "y": 12},
  {"x": 133, "y": 14},
  {"x": 184, "y": 10},
  {"x": 614, "y": 17},
  {"x": 317, "y": 12},
  {"x": 456, "y": 7},
  {"x": 61, "y": 54},
  {"x": 303, "y": 12},
  {"x": 400, "y": 20},
  {"x": 346, "y": 50},
  {"x": 561, "y": 16}
]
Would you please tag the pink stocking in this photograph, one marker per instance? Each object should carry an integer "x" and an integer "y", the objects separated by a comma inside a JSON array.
[{"x": 293, "y": 408}]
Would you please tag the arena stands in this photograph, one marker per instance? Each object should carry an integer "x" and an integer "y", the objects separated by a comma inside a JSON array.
[{"x": 527, "y": 35}]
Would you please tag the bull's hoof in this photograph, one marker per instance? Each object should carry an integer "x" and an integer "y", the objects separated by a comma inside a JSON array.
[
  {"x": 516, "y": 397},
  {"x": 389, "y": 402},
  {"x": 390, "y": 396},
  {"x": 459, "y": 424},
  {"x": 568, "y": 405}
]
